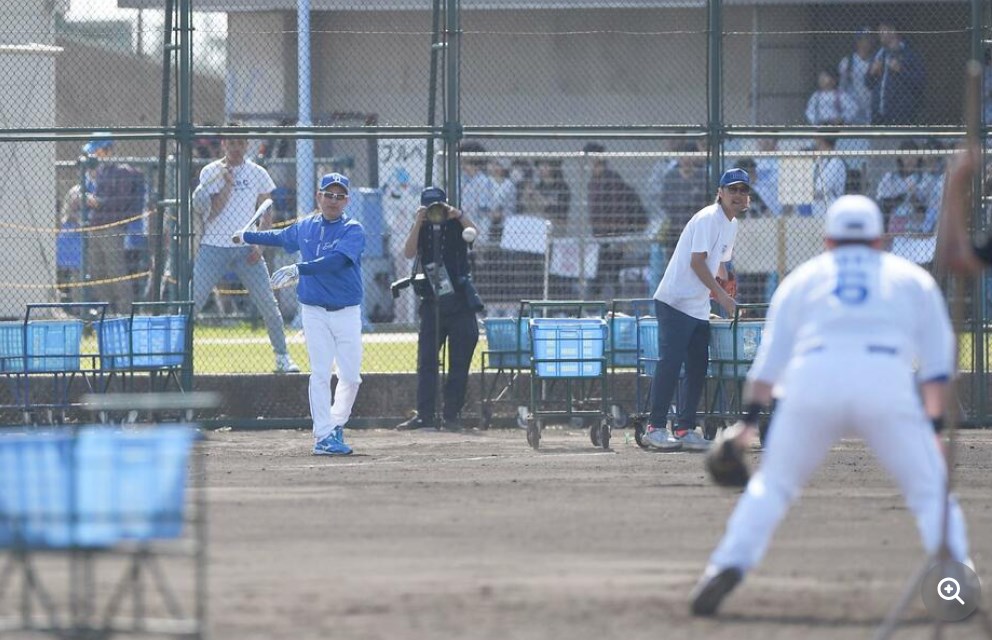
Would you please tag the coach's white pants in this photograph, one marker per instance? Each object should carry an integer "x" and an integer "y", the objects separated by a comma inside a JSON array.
[
  {"x": 830, "y": 395},
  {"x": 333, "y": 337}
]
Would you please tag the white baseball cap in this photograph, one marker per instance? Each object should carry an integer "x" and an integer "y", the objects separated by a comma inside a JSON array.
[{"x": 853, "y": 217}]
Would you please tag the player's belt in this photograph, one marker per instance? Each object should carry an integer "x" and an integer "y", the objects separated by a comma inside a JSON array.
[
  {"x": 877, "y": 348},
  {"x": 870, "y": 348},
  {"x": 328, "y": 307}
]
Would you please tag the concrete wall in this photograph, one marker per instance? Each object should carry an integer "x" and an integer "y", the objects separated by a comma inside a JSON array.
[
  {"x": 592, "y": 66},
  {"x": 27, "y": 99}
]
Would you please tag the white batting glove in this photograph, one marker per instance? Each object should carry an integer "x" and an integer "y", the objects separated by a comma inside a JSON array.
[{"x": 285, "y": 276}]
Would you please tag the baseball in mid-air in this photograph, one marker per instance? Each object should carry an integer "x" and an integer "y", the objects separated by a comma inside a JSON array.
[{"x": 469, "y": 234}]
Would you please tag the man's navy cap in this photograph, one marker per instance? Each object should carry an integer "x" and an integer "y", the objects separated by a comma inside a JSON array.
[
  {"x": 432, "y": 195},
  {"x": 334, "y": 178},
  {"x": 97, "y": 143},
  {"x": 733, "y": 176}
]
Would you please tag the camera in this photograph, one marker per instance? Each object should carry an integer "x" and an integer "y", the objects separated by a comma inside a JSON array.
[
  {"x": 419, "y": 282},
  {"x": 399, "y": 285}
]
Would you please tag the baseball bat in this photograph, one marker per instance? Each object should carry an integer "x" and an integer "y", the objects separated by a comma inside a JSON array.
[{"x": 261, "y": 211}]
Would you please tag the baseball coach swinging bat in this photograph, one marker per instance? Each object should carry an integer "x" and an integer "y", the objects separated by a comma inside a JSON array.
[{"x": 261, "y": 211}]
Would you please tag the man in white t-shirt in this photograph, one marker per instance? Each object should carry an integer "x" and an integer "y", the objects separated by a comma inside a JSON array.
[
  {"x": 682, "y": 304},
  {"x": 236, "y": 187}
]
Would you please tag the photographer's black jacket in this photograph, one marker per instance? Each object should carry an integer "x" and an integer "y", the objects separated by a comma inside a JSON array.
[{"x": 454, "y": 250}]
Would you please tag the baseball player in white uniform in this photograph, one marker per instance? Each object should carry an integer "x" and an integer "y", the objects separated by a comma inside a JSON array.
[{"x": 857, "y": 343}]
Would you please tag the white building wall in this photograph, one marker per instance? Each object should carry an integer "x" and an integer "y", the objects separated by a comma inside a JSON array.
[{"x": 27, "y": 100}]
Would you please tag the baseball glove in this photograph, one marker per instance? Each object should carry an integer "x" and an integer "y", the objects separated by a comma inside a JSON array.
[{"x": 725, "y": 461}]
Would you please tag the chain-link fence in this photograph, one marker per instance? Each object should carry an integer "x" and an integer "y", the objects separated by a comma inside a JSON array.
[{"x": 580, "y": 137}]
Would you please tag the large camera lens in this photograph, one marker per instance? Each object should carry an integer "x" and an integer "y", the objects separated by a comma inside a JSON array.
[{"x": 436, "y": 213}]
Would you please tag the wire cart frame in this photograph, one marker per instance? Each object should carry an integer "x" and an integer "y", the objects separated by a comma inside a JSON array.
[
  {"x": 50, "y": 350},
  {"x": 569, "y": 355},
  {"x": 733, "y": 346},
  {"x": 103, "y": 530}
]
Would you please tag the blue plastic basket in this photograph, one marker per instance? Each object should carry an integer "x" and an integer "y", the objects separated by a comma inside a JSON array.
[
  {"x": 95, "y": 489},
  {"x": 723, "y": 335},
  {"x": 508, "y": 342},
  {"x": 647, "y": 329},
  {"x": 52, "y": 345},
  {"x": 623, "y": 341},
  {"x": 568, "y": 348},
  {"x": 142, "y": 341}
]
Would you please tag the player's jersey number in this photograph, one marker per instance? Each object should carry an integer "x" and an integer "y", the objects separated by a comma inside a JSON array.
[{"x": 852, "y": 281}]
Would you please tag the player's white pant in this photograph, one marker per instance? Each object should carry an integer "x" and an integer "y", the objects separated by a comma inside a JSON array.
[
  {"x": 333, "y": 337},
  {"x": 831, "y": 394}
]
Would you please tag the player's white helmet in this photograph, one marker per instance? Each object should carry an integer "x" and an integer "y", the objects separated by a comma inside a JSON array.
[{"x": 854, "y": 217}]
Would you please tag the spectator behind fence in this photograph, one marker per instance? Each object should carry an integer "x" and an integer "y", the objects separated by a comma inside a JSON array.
[
  {"x": 758, "y": 208},
  {"x": 615, "y": 209},
  {"x": 656, "y": 182},
  {"x": 829, "y": 176},
  {"x": 69, "y": 241},
  {"x": 522, "y": 177},
  {"x": 767, "y": 175},
  {"x": 685, "y": 193},
  {"x": 899, "y": 192},
  {"x": 236, "y": 186},
  {"x": 830, "y": 105},
  {"x": 400, "y": 196},
  {"x": 897, "y": 79},
  {"x": 852, "y": 72},
  {"x": 118, "y": 194},
  {"x": 504, "y": 202},
  {"x": 477, "y": 192},
  {"x": 552, "y": 195},
  {"x": 932, "y": 186}
]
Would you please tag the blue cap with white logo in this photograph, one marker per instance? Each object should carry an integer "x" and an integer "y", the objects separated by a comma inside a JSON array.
[
  {"x": 331, "y": 179},
  {"x": 734, "y": 176},
  {"x": 95, "y": 144},
  {"x": 432, "y": 195}
]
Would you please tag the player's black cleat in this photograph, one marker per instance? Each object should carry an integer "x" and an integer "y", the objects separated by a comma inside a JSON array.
[{"x": 710, "y": 591}]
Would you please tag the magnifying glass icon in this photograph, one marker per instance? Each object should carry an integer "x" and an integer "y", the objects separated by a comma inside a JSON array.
[{"x": 949, "y": 589}]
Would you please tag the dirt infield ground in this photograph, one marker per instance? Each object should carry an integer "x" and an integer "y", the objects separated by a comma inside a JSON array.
[{"x": 431, "y": 535}]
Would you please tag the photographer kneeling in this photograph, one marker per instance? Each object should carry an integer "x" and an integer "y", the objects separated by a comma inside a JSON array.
[{"x": 449, "y": 302}]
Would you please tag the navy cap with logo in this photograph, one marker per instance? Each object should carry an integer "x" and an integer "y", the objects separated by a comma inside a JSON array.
[
  {"x": 735, "y": 176},
  {"x": 432, "y": 195},
  {"x": 331, "y": 179}
]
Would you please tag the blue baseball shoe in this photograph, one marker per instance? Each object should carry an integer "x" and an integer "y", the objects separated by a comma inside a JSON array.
[{"x": 332, "y": 445}]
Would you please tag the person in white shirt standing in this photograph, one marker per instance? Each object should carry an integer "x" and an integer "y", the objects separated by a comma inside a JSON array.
[
  {"x": 682, "y": 304},
  {"x": 829, "y": 176},
  {"x": 857, "y": 342},
  {"x": 236, "y": 187},
  {"x": 852, "y": 70}
]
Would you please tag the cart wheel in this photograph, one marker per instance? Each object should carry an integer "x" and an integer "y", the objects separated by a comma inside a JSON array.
[
  {"x": 487, "y": 416},
  {"x": 620, "y": 417},
  {"x": 594, "y": 434},
  {"x": 534, "y": 434},
  {"x": 522, "y": 418},
  {"x": 605, "y": 431},
  {"x": 711, "y": 427},
  {"x": 639, "y": 433}
]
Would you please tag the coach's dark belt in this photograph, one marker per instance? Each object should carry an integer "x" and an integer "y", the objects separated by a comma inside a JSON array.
[{"x": 328, "y": 307}]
